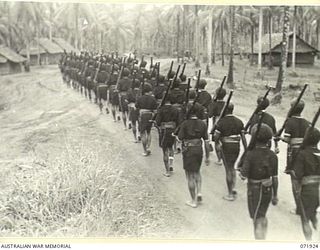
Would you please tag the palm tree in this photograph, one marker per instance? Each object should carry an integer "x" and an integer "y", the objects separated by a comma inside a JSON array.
[
  {"x": 284, "y": 52},
  {"x": 232, "y": 39}
]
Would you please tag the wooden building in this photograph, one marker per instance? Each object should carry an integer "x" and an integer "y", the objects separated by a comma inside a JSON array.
[
  {"x": 10, "y": 61},
  {"x": 53, "y": 51},
  {"x": 305, "y": 53}
]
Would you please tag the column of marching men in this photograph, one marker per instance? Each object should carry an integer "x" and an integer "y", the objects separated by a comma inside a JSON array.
[{"x": 143, "y": 98}]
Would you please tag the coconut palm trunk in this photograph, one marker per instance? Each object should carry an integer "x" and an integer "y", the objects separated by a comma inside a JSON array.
[
  {"x": 270, "y": 64},
  {"x": 294, "y": 39},
  {"x": 76, "y": 24},
  {"x": 230, "y": 81},
  {"x": 222, "y": 42},
  {"x": 318, "y": 36},
  {"x": 38, "y": 43},
  {"x": 252, "y": 40},
  {"x": 178, "y": 37},
  {"x": 209, "y": 38},
  {"x": 197, "y": 36},
  {"x": 284, "y": 52},
  {"x": 260, "y": 39}
]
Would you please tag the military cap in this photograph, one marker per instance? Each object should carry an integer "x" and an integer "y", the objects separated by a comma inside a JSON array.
[
  {"x": 221, "y": 93},
  {"x": 263, "y": 103},
  {"x": 190, "y": 109},
  {"x": 202, "y": 83},
  {"x": 183, "y": 78},
  {"x": 143, "y": 64},
  {"x": 172, "y": 74},
  {"x": 147, "y": 88},
  {"x": 161, "y": 78},
  {"x": 125, "y": 72},
  {"x": 115, "y": 67},
  {"x": 230, "y": 108},
  {"x": 136, "y": 83},
  {"x": 192, "y": 94},
  {"x": 312, "y": 137},
  {"x": 265, "y": 133},
  {"x": 298, "y": 108}
]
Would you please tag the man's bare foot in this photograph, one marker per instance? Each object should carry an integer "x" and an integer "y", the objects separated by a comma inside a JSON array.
[
  {"x": 191, "y": 204},
  {"x": 166, "y": 174},
  {"x": 229, "y": 197}
]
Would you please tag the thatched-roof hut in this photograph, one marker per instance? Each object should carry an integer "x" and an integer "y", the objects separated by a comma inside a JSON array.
[
  {"x": 53, "y": 50},
  {"x": 305, "y": 53},
  {"x": 10, "y": 61},
  {"x": 64, "y": 45},
  {"x": 34, "y": 55}
]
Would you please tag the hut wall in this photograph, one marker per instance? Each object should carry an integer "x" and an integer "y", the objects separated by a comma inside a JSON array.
[
  {"x": 302, "y": 58},
  {"x": 53, "y": 58},
  {"x": 15, "y": 67},
  {"x": 4, "y": 68}
]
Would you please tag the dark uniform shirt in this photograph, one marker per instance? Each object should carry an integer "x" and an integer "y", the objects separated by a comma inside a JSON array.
[
  {"x": 177, "y": 96},
  {"x": 102, "y": 77},
  {"x": 146, "y": 102},
  {"x": 260, "y": 163},
  {"x": 124, "y": 84},
  {"x": 296, "y": 127},
  {"x": 198, "y": 109},
  {"x": 159, "y": 90},
  {"x": 215, "y": 108},
  {"x": 193, "y": 129},
  {"x": 204, "y": 98},
  {"x": 267, "y": 119},
  {"x": 167, "y": 113},
  {"x": 132, "y": 95},
  {"x": 229, "y": 125},
  {"x": 307, "y": 162}
]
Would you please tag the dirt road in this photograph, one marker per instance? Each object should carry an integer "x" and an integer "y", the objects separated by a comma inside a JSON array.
[{"x": 40, "y": 115}]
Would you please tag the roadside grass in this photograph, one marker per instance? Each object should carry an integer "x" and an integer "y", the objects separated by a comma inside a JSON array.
[{"x": 83, "y": 192}]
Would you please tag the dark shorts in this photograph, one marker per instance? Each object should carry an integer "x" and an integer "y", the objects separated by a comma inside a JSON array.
[
  {"x": 145, "y": 124},
  {"x": 113, "y": 97},
  {"x": 133, "y": 114},
  {"x": 123, "y": 103},
  {"x": 103, "y": 92},
  {"x": 192, "y": 158},
  {"x": 231, "y": 153},
  {"x": 259, "y": 198},
  {"x": 310, "y": 199},
  {"x": 166, "y": 140}
]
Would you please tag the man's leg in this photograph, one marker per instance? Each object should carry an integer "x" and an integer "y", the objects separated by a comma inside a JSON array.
[
  {"x": 165, "y": 152},
  {"x": 192, "y": 189},
  {"x": 296, "y": 189},
  {"x": 148, "y": 141},
  {"x": 198, "y": 185},
  {"x": 144, "y": 143},
  {"x": 124, "y": 118},
  {"x": 171, "y": 158},
  {"x": 113, "y": 110},
  {"x": 134, "y": 131},
  {"x": 259, "y": 231}
]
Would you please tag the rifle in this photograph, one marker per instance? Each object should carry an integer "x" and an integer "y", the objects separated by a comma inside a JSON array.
[
  {"x": 188, "y": 90},
  {"x": 312, "y": 125},
  {"x": 220, "y": 88},
  {"x": 183, "y": 68},
  {"x": 153, "y": 70},
  {"x": 158, "y": 73},
  {"x": 119, "y": 77},
  {"x": 252, "y": 143},
  {"x": 141, "y": 62},
  {"x": 176, "y": 132},
  {"x": 278, "y": 134},
  {"x": 151, "y": 63},
  {"x": 176, "y": 76},
  {"x": 109, "y": 79},
  {"x": 256, "y": 111},
  {"x": 163, "y": 100},
  {"x": 170, "y": 70},
  {"x": 198, "y": 80},
  {"x": 98, "y": 69},
  {"x": 222, "y": 114}
]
